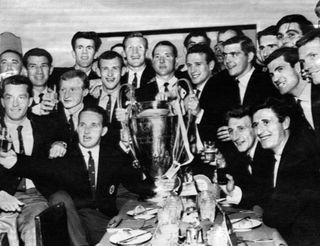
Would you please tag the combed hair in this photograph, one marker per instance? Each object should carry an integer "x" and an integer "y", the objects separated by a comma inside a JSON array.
[
  {"x": 238, "y": 113},
  {"x": 245, "y": 42},
  {"x": 96, "y": 109},
  {"x": 135, "y": 35},
  {"x": 309, "y": 36},
  {"x": 17, "y": 80},
  {"x": 203, "y": 49},
  {"x": 109, "y": 55},
  {"x": 236, "y": 30},
  {"x": 37, "y": 52},
  {"x": 304, "y": 24},
  {"x": 196, "y": 34},
  {"x": 76, "y": 74},
  {"x": 166, "y": 43},
  {"x": 269, "y": 31},
  {"x": 87, "y": 35},
  {"x": 13, "y": 51},
  {"x": 290, "y": 55}
]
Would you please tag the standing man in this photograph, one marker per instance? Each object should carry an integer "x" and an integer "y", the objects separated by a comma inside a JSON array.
[
  {"x": 309, "y": 54},
  {"x": 139, "y": 70},
  {"x": 293, "y": 202},
  {"x": 291, "y": 28},
  {"x": 242, "y": 84},
  {"x": 84, "y": 48},
  {"x": 38, "y": 63}
]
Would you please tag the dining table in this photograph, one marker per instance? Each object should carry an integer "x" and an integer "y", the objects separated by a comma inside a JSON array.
[{"x": 262, "y": 235}]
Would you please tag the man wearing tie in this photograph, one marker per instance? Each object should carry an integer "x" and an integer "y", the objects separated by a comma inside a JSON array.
[
  {"x": 31, "y": 135},
  {"x": 139, "y": 70},
  {"x": 38, "y": 63}
]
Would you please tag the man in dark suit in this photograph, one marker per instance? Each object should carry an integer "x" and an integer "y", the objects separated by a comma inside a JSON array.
[
  {"x": 240, "y": 83},
  {"x": 89, "y": 176},
  {"x": 250, "y": 163},
  {"x": 284, "y": 68},
  {"x": 292, "y": 205},
  {"x": 31, "y": 135},
  {"x": 139, "y": 69},
  {"x": 84, "y": 48}
]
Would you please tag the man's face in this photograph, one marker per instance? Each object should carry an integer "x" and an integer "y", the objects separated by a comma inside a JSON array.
[
  {"x": 309, "y": 54},
  {"x": 16, "y": 101},
  {"x": 289, "y": 34},
  {"x": 71, "y": 92},
  {"x": 267, "y": 44},
  {"x": 90, "y": 129},
  {"x": 283, "y": 75},
  {"x": 110, "y": 72},
  {"x": 196, "y": 40},
  {"x": 10, "y": 62},
  {"x": 84, "y": 52},
  {"x": 135, "y": 51},
  {"x": 241, "y": 133},
  {"x": 39, "y": 70},
  {"x": 163, "y": 60},
  {"x": 270, "y": 132},
  {"x": 235, "y": 60},
  {"x": 198, "y": 68}
]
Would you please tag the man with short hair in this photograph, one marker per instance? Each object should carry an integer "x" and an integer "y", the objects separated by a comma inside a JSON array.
[
  {"x": 309, "y": 54},
  {"x": 293, "y": 203},
  {"x": 119, "y": 48},
  {"x": 139, "y": 70},
  {"x": 241, "y": 83},
  {"x": 84, "y": 48},
  {"x": 284, "y": 68},
  {"x": 38, "y": 63},
  {"x": 268, "y": 42},
  {"x": 291, "y": 28},
  {"x": 10, "y": 63}
]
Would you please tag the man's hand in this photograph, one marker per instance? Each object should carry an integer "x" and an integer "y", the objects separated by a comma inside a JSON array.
[
  {"x": 122, "y": 115},
  {"x": 9, "y": 203},
  {"x": 223, "y": 134},
  {"x": 58, "y": 149},
  {"x": 8, "y": 159},
  {"x": 230, "y": 184},
  {"x": 46, "y": 106},
  {"x": 95, "y": 87},
  {"x": 191, "y": 103},
  {"x": 115, "y": 221}
]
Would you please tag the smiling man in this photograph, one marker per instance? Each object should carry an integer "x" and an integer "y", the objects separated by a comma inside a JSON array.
[
  {"x": 295, "y": 175},
  {"x": 268, "y": 42},
  {"x": 10, "y": 63}
]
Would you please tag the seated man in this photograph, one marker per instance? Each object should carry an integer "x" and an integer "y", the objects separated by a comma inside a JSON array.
[
  {"x": 90, "y": 173},
  {"x": 292, "y": 205}
]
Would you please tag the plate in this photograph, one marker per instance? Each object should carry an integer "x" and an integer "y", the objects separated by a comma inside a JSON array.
[
  {"x": 246, "y": 224},
  {"x": 125, "y": 234}
]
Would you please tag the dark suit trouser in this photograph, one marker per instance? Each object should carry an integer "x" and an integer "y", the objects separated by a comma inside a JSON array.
[{"x": 75, "y": 228}]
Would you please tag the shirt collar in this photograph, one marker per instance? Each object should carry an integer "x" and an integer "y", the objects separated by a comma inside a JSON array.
[
  {"x": 114, "y": 93},
  {"x": 139, "y": 71},
  {"x": 94, "y": 150},
  {"x": 244, "y": 80},
  {"x": 306, "y": 93},
  {"x": 76, "y": 113},
  {"x": 171, "y": 81},
  {"x": 252, "y": 150}
]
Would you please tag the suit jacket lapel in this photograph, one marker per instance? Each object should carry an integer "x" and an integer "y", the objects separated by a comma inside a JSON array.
[{"x": 315, "y": 107}]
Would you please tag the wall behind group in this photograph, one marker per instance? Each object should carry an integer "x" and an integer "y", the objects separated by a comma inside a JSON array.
[{"x": 51, "y": 24}]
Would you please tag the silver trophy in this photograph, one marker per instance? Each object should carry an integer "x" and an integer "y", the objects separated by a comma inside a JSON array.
[{"x": 158, "y": 133}]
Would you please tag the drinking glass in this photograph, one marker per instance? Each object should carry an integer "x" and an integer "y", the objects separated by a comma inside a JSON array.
[{"x": 5, "y": 140}]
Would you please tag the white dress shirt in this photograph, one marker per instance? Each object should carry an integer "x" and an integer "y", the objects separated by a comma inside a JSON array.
[
  {"x": 95, "y": 155},
  {"x": 139, "y": 75},
  {"x": 28, "y": 141},
  {"x": 243, "y": 83},
  {"x": 305, "y": 98},
  {"x": 104, "y": 98},
  {"x": 75, "y": 115}
]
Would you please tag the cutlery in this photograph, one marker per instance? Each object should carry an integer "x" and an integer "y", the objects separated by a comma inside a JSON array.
[
  {"x": 264, "y": 240},
  {"x": 237, "y": 221},
  {"x": 132, "y": 237}
]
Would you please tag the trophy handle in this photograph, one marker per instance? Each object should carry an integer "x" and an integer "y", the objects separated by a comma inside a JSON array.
[{"x": 124, "y": 125}]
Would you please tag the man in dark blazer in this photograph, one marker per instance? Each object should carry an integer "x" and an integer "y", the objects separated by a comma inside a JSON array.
[
  {"x": 284, "y": 68},
  {"x": 292, "y": 205},
  {"x": 33, "y": 136},
  {"x": 84, "y": 48},
  {"x": 240, "y": 83},
  {"x": 139, "y": 68},
  {"x": 88, "y": 176}
]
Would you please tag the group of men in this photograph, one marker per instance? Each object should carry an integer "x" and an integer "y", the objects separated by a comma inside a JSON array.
[{"x": 260, "y": 107}]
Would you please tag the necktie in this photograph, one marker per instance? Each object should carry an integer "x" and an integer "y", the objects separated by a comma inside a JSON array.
[
  {"x": 135, "y": 81},
  {"x": 22, "y": 184},
  {"x": 40, "y": 97},
  {"x": 108, "y": 108},
  {"x": 166, "y": 87},
  {"x": 71, "y": 124},
  {"x": 92, "y": 173},
  {"x": 237, "y": 92},
  {"x": 197, "y": 93},
  {"x": 19, "y": 129}
]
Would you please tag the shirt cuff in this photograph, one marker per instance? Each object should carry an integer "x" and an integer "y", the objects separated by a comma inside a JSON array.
[{"x": 233, "y": 197}]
